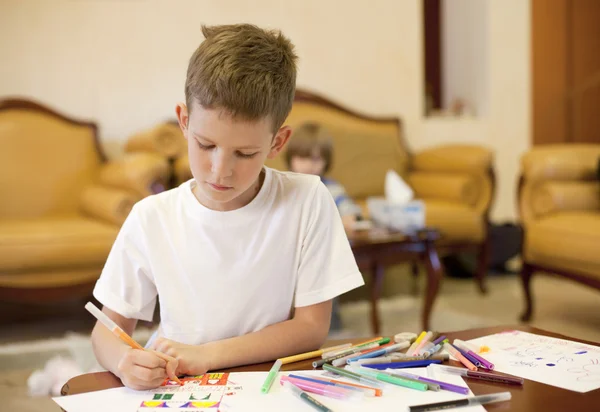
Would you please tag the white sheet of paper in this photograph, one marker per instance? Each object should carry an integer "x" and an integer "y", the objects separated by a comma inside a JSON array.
[
  {"x": 557, "y": 362},
  {"x": 246, "y": 396}
]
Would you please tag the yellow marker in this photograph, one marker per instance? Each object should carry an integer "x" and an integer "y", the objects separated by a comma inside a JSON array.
[
  {"x": 120, "y": 333},
  {"x": 301, "y": 357},
  {"x": 413, "y": 347},
  {"x": 319, "y": 352}
]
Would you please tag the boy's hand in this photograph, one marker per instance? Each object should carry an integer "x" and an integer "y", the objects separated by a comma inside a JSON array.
[
  {"x": 348, "y": 222},
  {"x": 143, "y": 369},
  {"x": 191, "y": 359}
]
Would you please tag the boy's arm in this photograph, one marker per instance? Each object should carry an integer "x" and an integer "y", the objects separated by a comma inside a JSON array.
[
  {"x": 138, "y": 369},
  {"x": 305, "y": 332}
]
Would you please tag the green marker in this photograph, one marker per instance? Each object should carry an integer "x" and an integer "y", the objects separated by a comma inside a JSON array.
[
  {"x": 351, "y": 375},
  {"x": 300, "y": 394},
  {"x": 271, "y": 376},
  {"x": 395, "y": 380},
  {"x": 381, "y": 341}
]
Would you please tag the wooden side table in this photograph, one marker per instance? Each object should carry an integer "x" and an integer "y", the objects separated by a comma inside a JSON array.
[{"x": 377, "y": 248}]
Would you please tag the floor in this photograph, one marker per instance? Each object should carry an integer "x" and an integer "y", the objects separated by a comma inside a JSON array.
[{"x": 562, "y": 307}]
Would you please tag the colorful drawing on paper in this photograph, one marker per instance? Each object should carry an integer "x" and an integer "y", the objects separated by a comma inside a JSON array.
[
  {"x": 202, "y": 393},
  {"x": 566, "y": 364}
]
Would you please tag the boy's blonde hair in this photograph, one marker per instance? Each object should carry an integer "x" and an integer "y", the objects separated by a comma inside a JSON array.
[
  {"x": 247, "y": 71},
  {"x": 308, "y": 140}
]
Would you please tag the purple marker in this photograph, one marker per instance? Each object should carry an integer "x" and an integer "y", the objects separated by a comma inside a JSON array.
[
  {"x": 463, "y": 346},
  {"x": 443, "y": 385},
  {"x": 438, "y": 340},
  {"x": 470, "y": 357},
  {"x": 401, "y": 365}
]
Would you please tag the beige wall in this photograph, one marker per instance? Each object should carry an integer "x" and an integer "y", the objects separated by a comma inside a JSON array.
[{"x": 123, "y": 63}]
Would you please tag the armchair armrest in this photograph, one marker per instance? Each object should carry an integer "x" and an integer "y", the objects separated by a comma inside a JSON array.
[
  {"x": 165, "y": 139},
  {"x": 558, "y": 177},
  {"x": 142, "y": 173},
  {"x": 108, "y": 204},
  {"x": 561, "y": 162},
  {"x": 566, "y": 196},
  {"x": 468, "y": 160},
  {"x": 453, "y": 158},
  {"x": 455, "y": 187}
]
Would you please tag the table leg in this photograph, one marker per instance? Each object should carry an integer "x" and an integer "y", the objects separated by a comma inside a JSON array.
[
  {"x": 483, "y": 260},
  {"x": 526, "y": 274},
  {"x": 434, "y": 275},
  {"x": 414, "y": 266},
  {"x": 377, "y": 272}
]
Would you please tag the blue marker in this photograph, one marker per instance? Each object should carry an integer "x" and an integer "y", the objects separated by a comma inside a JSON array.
[
  {"x": 380, "y": 352},
  {"x": 401, "y": 365}
]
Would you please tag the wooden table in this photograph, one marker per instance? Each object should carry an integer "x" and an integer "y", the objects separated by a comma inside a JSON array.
[
  {"x": 377, "y": 248},
  {"x": 532, "y": 396}
]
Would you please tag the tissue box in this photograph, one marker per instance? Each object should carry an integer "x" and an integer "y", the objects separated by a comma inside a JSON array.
[{"x": 406, "y": 217}]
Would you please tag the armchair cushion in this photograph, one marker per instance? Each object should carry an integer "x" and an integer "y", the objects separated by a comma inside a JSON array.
[
  {"x": 456, "y": 222},
  {"x": 559, "y": 196},
  {"x": 561, "y": 162},
  {"x": 453, "y": 158},
  {"x": 108, "y": 204},
  {"x": 454, "y": 187},
  {"x": 141, "y": 173},
  {"x": 164, "y": 139},
  {"x": 33, "y": 244},
  {"x": 567, "y": 241}
]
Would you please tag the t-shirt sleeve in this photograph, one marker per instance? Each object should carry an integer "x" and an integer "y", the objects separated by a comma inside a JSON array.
[
  {"x": 327, "y": 266},
  {"x": 126, "y": 285}
]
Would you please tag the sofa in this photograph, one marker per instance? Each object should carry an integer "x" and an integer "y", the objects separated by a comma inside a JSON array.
[
  {"x": 62, "y": 202},
  {"x": 456, "y": 181},
  {"x": 559, "y": 205}
]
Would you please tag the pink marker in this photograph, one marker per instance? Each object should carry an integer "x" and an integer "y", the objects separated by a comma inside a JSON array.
[{"x": 325, "y": 390}]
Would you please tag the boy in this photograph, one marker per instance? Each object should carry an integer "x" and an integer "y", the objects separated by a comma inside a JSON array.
[
  {"x": 310, "y": 151},
  {"x": 244, "y": 259}
]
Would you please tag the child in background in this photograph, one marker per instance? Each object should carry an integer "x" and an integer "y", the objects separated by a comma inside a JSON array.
[
  {"x": 244, "y": 259},
  {"x": 310, "y": 151}
]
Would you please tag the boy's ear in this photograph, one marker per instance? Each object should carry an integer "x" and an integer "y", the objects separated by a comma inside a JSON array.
[
  {"x": 182, "y": 117},
  {"x": 279, "y": 141}
]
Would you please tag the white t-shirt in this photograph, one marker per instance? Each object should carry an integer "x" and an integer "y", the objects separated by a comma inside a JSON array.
[{"x": 225, "y": 274}]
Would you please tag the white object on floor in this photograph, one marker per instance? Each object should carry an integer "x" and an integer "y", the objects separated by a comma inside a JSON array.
[
  {"x": 562, "y": 363},
  {"x": 56, "y": 373},
  {"x": 242, "y": 393}
]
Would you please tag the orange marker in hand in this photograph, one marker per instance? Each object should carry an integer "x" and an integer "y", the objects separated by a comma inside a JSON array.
[{"x": 120, "y": 333}]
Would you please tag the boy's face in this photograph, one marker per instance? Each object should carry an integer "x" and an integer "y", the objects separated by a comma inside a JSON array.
[
  {"x": 227, "y": 155},
  {"x": 313, "y": 165}
]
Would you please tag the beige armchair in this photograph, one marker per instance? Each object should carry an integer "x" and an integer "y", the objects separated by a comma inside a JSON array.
[
  {"x": 62, "y": 201},
  {"x": 559, "y": 203},
  {"x": 456, "y": 182}
]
